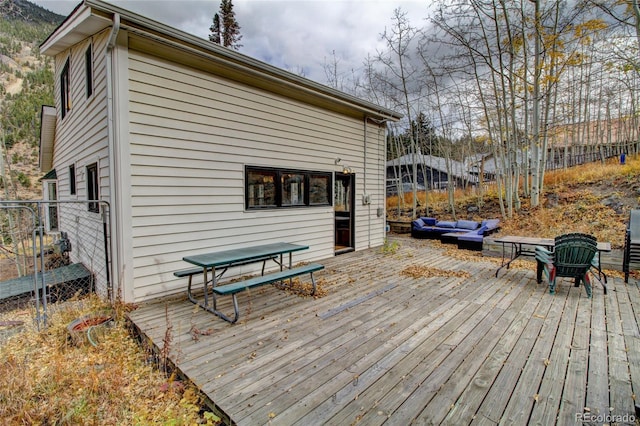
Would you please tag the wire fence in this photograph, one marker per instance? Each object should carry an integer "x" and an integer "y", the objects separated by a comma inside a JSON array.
[{"x": 50, "y": 252}]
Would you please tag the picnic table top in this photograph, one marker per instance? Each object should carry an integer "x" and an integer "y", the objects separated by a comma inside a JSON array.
[
  {"x": 547, "y": 242},
  {"x": 228, "y": 257}
]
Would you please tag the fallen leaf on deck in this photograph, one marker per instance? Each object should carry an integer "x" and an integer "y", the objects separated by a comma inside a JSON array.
[{"x": 419, "y": 271}]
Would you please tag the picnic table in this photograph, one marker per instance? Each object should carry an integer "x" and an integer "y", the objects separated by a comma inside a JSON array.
[
  {"x": 525, "y": 246},
  {"x": 242, "y": 256}
]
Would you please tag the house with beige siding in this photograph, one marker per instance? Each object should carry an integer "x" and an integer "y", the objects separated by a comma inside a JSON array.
[{"x": 196, "y": 148}]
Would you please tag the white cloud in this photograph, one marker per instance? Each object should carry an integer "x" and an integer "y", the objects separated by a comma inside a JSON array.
[{"x": 295, "y": 35}]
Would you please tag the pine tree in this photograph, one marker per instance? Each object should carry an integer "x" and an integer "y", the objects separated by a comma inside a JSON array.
[
  {"x": 215, "y": 29},
  {"x": 225, "y": 29}
]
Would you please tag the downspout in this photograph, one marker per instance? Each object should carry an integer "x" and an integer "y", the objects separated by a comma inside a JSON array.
[
  {"x": 365, "y": 196},
  {"x": 111, "y": 135},
  {"x": 384, "y": 168}
]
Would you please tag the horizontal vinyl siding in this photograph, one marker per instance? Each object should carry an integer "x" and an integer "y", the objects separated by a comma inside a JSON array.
[
  {"x": 191, "y": 135},
  {"x": 82, "y": 139},
  {"x": 370, "y": 226}
]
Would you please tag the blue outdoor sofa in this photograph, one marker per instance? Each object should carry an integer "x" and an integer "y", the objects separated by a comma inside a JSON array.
[{"x": 471, "y": 232}]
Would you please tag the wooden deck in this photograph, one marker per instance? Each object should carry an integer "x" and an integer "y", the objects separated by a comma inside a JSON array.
[{"x": 383, "y": 347}]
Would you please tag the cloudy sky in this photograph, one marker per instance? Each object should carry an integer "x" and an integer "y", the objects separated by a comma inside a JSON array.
[{"x": 297, "y": 35}]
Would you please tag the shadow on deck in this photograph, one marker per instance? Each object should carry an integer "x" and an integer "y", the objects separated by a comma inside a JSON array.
[{"x": 459, "y": 347}]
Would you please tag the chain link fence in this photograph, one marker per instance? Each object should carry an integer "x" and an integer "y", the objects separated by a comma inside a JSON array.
[{"x": 50, "y": 252}]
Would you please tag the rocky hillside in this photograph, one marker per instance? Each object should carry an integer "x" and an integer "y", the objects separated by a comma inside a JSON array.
[
  {"x": 26, "y": 83},
  {"x": 22, "y": 10}
]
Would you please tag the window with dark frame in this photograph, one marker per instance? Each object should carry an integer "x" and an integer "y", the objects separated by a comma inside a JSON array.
[
  {"x": 261, "y": 188},
  {"x": 93, "y": 189},
  {"x": 293, "y": 188},
  {"x": 320, "y": 189},
  {"x": 269, "y": 188},
  {"x": 65, "y": 90},
  {"x": 72, "y": 179},
  {"x": 88, "y": 63}
]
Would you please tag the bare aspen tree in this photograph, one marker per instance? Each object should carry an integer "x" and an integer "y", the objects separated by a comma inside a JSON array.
[
  {"x": 15, "y": 228},
  {"x": 430, "y": 79},
  {"x": 468, "y": 31},
  {"x": 535, "y": 133},
  {"x": 534, "y": 80},
  {"x": 397, "y": 61},
  {"x": 331, "y": 72}
]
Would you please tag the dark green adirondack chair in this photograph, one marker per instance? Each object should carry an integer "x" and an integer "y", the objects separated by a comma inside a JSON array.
[{"x": 572, "y": 256}]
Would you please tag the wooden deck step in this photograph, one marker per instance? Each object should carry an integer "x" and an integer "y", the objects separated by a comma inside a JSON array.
[{"x": 75, "y": 275}]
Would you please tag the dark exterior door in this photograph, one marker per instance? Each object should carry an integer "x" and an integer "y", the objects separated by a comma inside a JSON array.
[{"x": 344, "y": 206}]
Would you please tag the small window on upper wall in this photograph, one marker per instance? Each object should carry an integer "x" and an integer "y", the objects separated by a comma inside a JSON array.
[
  {"x": 88, "y": 64},
  {"x": 93, "y": 187},
  {"x": 72, "y": 179},
  {"x": 65, "y": 90}
]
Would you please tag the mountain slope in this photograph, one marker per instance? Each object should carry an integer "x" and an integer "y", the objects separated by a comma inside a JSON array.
[
  {"x": 26, "y": 83},
  {"x": 22, "y": 10}
]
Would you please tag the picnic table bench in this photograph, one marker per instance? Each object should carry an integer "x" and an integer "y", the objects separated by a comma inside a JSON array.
[
  {"x": 234, "y": 288},
  {"x": 208, "y": 262}
]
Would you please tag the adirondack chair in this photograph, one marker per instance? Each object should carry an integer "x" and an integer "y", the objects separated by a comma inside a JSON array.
[
  {"x": 572, "y": 256},
  {"x": 631, "y": 258}
]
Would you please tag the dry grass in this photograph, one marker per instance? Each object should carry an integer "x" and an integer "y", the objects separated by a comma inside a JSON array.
[
  {"x": 430, "y": 198},
  {"x": 46, "y": 379},
  {"x": 593, "y": 173}
]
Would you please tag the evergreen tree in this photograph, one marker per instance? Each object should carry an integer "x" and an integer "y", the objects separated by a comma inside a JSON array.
[
  {"x": 215, "y": 29},
  {"x": 225, "y": 29}
]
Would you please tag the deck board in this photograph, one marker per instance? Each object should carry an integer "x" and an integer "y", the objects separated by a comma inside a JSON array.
[
  {"x": 384, "y": 348},
  {"x": 574, "y": 393},
  {"x": 549, "y": 396},
  {"x": 470, "y": 399},
  {"x": 597, "y": 377}
]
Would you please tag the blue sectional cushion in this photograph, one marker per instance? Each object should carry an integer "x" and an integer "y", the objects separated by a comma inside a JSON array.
[
  {"x": 467, "y": 224},
  {"x": 491, "y": 223},
  {"x": 418, "y": 223},
  {"x": 429, "y": 221},
  {"x": 471, "y": 236},
  {"x": 482, "y": 229},
  {"x": 445, "y": 224}
]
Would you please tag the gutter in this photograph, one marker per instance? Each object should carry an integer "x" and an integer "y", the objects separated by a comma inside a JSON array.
[{"x": 112, "y": 128}]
